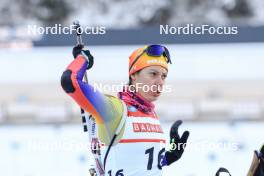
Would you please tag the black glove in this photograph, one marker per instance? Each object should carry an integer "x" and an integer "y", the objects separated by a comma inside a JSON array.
[
  {"x": 79, "y": 50},
  {"x": 260, "y": 168},
  {"x": 178, "y": 143}
]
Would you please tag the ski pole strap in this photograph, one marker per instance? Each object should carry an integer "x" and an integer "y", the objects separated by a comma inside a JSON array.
[
  {"x": 108, "y": 149},
  {"x": 221, "y": 170}
]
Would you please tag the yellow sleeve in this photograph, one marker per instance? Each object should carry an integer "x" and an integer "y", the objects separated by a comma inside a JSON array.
[{"x": 107, "y": 129}]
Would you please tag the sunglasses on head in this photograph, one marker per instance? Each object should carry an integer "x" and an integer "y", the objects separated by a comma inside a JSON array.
[{"x": 156, "y": 51}]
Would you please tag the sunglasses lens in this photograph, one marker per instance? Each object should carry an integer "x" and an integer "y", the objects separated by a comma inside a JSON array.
[
  {"x": 158, "y": 50},
  {"x": 155, "y": 50}
]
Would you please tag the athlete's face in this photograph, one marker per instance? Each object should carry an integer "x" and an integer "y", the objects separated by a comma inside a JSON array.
[{"x": 149, "y": 82}]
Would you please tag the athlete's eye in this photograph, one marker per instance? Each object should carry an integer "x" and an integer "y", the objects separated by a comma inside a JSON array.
[
  {"x": 153, "y": 73},
  {"x": 164, "y": 76}
]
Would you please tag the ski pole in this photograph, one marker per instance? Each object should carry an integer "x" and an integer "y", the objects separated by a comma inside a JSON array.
[{"x": 88, "y": 121}]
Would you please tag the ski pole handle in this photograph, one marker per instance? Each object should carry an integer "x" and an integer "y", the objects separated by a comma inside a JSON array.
[
  {"x": 78, "y": 32},
  {"x": 89, "y": 57}
]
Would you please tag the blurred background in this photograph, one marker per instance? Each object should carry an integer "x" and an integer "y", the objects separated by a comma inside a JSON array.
[{"x": 217, "y": 81}]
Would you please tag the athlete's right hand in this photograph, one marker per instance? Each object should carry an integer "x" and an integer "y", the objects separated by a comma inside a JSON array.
[{"x": 86, "y": 53}]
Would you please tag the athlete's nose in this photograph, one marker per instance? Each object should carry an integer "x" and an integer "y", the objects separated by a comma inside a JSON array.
[{"x": 159, "y": 83}]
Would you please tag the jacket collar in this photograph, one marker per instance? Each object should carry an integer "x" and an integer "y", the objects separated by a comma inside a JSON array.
[{"x": 136, "y": 100}]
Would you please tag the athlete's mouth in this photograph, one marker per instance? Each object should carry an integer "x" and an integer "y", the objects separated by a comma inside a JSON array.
[{"x": 157, "y": 93}]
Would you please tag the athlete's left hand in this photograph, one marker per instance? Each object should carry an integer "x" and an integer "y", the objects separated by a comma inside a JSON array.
[{"x": 178, "y": 143}]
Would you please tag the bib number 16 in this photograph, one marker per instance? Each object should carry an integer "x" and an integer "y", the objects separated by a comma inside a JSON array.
[
  {"x": 118, "y": 173},
  {"x": 150, "y": 153}
]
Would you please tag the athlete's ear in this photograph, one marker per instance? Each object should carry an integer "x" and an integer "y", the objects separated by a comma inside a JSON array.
[{"x": 133, "y": 77}]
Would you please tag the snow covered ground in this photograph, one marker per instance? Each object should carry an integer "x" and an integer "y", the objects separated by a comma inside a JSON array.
[{"x": 61, "y": 150}]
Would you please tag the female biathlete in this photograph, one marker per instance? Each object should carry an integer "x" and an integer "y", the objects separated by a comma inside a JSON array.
[{"x": 128, "y": 124}]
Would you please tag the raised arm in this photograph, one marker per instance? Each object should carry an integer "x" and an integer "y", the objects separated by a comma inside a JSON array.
[{"x": 106, "y": 110}]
